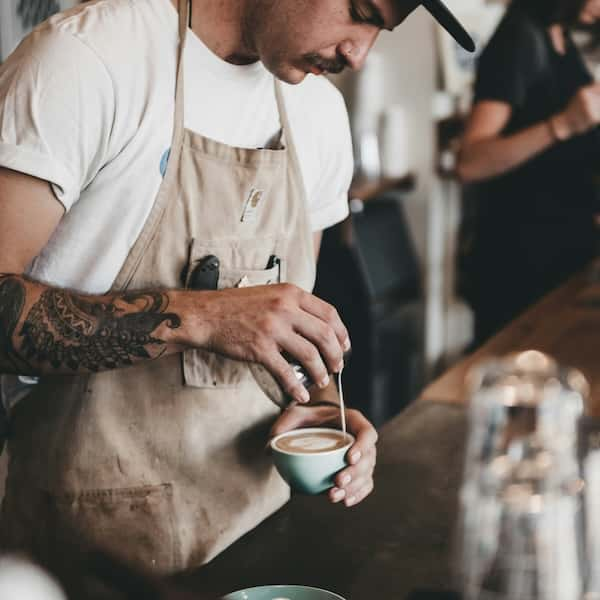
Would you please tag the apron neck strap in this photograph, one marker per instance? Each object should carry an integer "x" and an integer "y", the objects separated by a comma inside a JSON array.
[
  {"x": 283, "y": 116},
  {"x": 184, "y": 15}
]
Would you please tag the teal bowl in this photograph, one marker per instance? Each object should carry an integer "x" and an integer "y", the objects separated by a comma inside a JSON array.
[
  {"x": 310, "y": 473},
  {"x": 282, "y": 592}
]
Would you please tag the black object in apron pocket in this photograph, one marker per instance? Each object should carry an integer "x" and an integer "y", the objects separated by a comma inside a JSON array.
[{"x": 204, "y": 369}]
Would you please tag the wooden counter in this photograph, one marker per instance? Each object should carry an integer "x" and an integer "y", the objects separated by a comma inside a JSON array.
[
  {"x": 395, "y": 545},
  {"x": 565, "y": 325},
  {"x": 398, "y": 543}
]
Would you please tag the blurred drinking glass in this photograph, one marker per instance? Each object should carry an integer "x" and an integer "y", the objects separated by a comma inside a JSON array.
[
  {"x": 521, "y": 532},
  {"x": 590, "y": 460}
]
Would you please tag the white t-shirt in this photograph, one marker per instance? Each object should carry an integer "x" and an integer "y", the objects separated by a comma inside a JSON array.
[{"x": 87, "y": 103}]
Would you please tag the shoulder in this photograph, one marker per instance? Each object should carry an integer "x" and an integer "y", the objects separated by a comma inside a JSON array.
[
  {"x": 62, "y": 59},
  {"x": 73, "y": 93},
  {"x": 515, "y": 59},
  {"x": 52, "y": 60},
  {"x": 518, "y": 25},
  {"x": 119, "y": 54},
  {"x": 91, "y": 19},
  {"x": 114, "y": 33},
  {"x": 518, "y": 35}
]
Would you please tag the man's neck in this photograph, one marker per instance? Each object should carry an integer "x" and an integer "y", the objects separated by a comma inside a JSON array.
[{"x": 220, "y": 27}]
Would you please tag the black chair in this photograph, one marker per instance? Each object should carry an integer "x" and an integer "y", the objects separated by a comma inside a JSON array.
[{"x": 373, "y": 278}]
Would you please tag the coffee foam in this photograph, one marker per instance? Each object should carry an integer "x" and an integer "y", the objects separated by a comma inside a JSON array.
[{"x": 311, "y": 442}]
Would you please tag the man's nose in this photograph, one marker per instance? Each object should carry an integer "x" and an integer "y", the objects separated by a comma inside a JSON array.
[{"x": 355, "y": 51}]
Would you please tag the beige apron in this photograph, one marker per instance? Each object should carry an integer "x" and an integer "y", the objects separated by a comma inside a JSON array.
[{"x": 164, "y": 463}]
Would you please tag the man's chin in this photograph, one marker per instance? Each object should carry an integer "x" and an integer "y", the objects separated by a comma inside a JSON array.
[
  {"x": 289, "y": 75},
  {"x": 297, "y": 77}
]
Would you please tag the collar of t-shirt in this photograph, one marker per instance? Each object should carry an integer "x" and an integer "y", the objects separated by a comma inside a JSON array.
[{"x": 233, "y": 104}]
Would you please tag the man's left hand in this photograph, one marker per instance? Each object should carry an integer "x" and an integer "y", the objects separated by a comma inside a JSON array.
[{"x": 354, "y": 483}]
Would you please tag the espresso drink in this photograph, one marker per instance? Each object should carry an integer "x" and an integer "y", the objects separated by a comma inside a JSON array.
[{"x": 312, "y": 442}]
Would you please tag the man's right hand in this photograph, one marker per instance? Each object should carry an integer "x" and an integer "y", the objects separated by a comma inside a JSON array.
[{"x": 260, "y": 323}]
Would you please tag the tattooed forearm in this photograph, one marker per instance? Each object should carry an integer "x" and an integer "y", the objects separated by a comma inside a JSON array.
[
  {"x": 71, "y": 332},
  {"x": 64, "y": 329}
]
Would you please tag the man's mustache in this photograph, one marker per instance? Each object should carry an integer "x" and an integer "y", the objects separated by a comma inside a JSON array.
[{"x": 336, "y": 65}]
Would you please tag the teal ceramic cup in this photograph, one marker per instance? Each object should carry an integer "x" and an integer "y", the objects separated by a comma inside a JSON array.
[
  {"x": 311, "y": 471},
  {"x": 283, "y": 592}
]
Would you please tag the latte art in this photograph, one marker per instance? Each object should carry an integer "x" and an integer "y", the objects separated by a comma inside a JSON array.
[{"x": 311, "y": 442}]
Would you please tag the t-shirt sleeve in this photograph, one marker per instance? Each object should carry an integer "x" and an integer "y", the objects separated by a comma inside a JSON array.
[
  {"x": 56, "y": 110},
  {"x": 512, "y": 61},
  {"x": 328, "y": 200}
]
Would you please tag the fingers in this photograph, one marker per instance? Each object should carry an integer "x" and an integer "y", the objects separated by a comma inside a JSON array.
[
  {"x": 309, "y": 357},
  {"x": 349, "y": 497},
  {"x": 283, "y": 372},
  {"x": 365, "y": 434},
  {"x": 318, "y": 339},
  {"x": 355, "y": 483},
  {"x": 591, "y": 102},
  {"x": 583, "y": 112},
  {"x": 296, "y": 417},
  {"x": 329, "y": 315}
]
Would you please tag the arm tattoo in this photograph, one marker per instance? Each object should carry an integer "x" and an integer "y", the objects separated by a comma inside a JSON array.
[
  {"x": 75, "y": 332},
  {"x": 64, "y": 329},
  {"x": 12, "y": 300}
]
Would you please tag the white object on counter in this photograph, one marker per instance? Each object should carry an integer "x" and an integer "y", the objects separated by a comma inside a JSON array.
[
  {"x": 368, "y": 97},
  {"x": 22, "y": 580},
  {"x": 368, "y": 94},
  {"x": 442, "y": 105},
  {"x": 368, "y": 158}
]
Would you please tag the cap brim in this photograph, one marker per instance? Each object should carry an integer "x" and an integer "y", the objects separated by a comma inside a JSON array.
[{"x": 449, "y": 22}]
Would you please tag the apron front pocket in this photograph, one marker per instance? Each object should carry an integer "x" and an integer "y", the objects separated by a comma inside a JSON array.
[
  {"x": 134, "y": 524},
  {"x": 204, "y": 369}
]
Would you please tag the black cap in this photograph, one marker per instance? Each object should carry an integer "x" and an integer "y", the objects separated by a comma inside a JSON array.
[{"x": 450, "y": 23}]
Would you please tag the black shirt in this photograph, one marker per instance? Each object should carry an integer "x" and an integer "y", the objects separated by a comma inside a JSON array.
[
  {"x": 532, "y": 227},
  {"x": 521, "y": 67}
]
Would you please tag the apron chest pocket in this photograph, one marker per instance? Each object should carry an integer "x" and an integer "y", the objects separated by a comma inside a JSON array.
[{"x": 204, "y": 369}]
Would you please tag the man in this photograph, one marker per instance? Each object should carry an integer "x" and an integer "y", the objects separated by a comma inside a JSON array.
[{"x": 199, "y": 207}]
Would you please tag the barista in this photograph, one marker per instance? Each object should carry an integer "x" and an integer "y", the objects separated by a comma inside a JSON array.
[{"x": 140, "y": 142}]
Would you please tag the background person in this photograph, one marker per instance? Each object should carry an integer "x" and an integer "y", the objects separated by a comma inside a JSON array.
[{"x": 532, "y": 143}]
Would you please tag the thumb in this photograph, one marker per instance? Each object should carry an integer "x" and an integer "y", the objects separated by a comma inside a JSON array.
[{"x": 296, "y": 417}]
